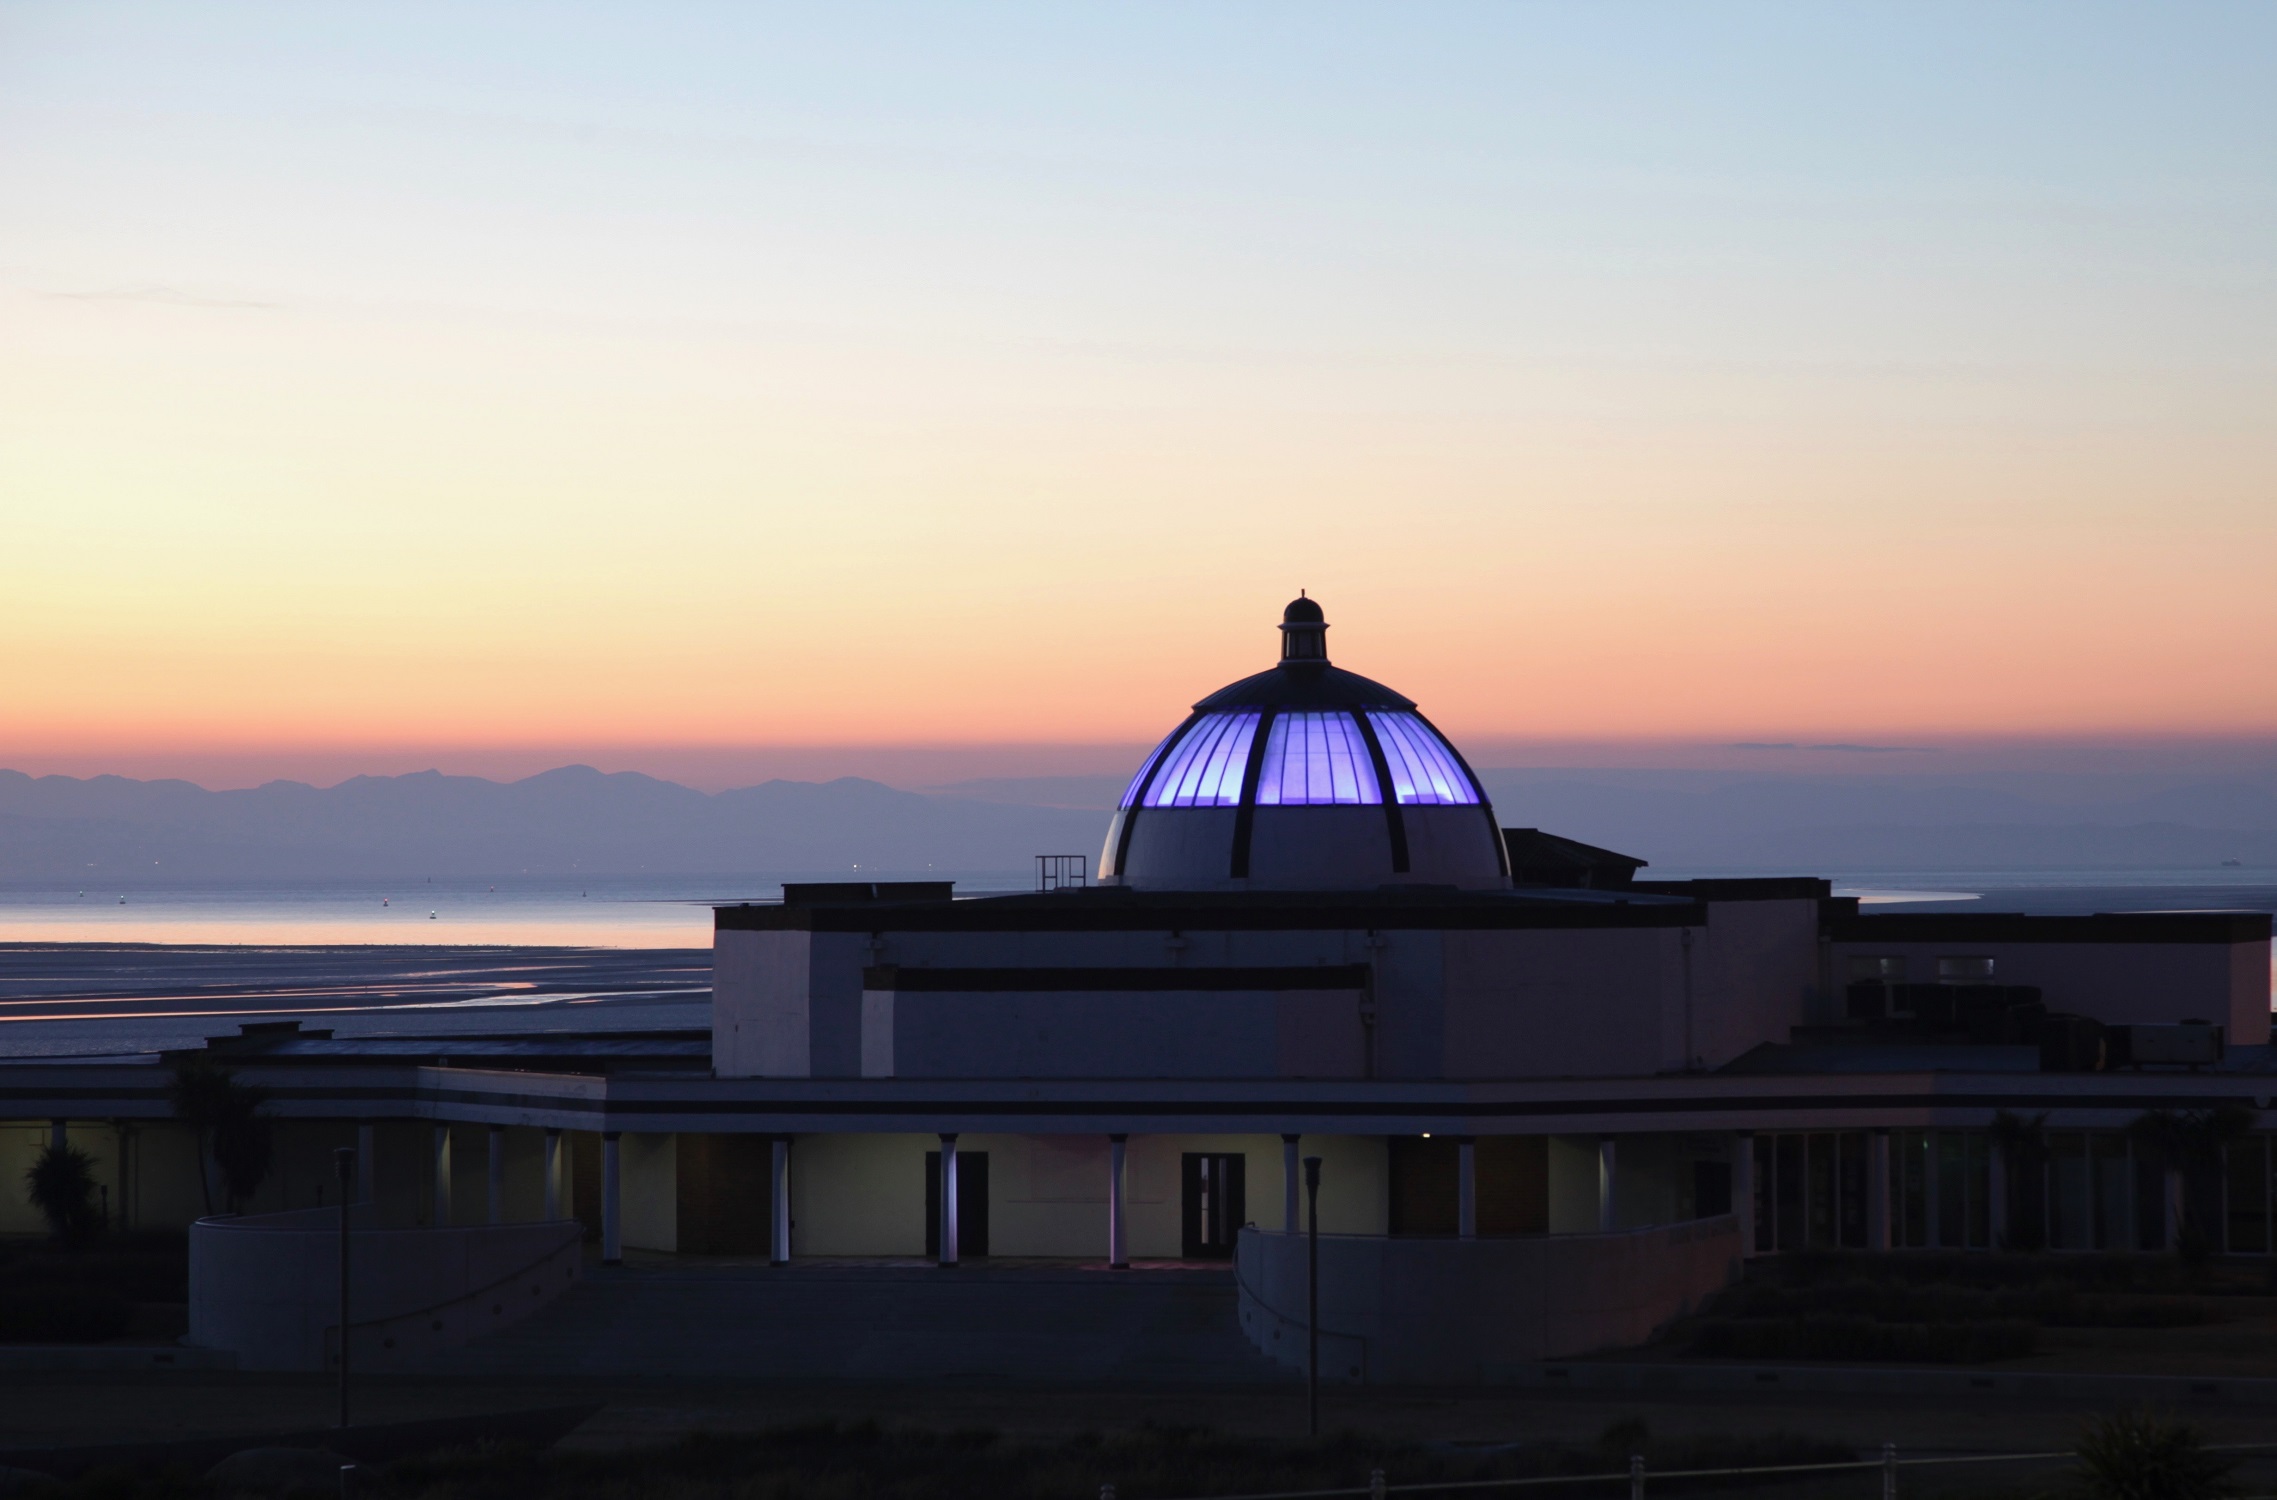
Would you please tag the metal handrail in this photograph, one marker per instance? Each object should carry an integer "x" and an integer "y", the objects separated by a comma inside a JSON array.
[{"x": 1636, "y": 1474}]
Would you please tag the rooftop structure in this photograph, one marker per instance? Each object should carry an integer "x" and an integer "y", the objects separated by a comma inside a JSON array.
[{"x": 1304, "y": 777}]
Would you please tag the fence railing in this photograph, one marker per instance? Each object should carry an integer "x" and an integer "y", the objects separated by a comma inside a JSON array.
[{"x": 1636, "y": 1475}]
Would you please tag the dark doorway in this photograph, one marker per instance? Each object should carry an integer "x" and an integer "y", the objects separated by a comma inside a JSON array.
[
  {"x": 1512, "y": 1174},
  {"x": 972, "y": 1204},
  {"x": 726, "y": 1195},
  {"x": 1211, "y": 1206}
]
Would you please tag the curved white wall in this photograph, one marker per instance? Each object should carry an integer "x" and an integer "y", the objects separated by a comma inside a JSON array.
[{"x": 267, "y": 1286}]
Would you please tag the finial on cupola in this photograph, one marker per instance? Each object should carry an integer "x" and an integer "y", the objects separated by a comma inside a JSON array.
[{"x": 1304, "y": 633}]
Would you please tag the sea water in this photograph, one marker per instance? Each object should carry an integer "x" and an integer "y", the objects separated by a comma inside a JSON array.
[
  {"x": 435, "y": 957},
  {"x": 527, "y": 911}
]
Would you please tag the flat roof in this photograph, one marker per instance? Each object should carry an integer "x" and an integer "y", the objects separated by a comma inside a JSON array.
[
  {"x": 2016, "y": 927},
  {"x": 1119, "y": 909}
]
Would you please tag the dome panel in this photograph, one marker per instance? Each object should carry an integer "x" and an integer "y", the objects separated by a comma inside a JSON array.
[
  {"x": 1424, "y": 768},
  {"x": 1146, "y": 768},
  {"x": 1313, "y": 758},
  {"x": 1206, "y": 766}
]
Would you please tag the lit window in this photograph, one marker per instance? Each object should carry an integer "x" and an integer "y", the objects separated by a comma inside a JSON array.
[
  {"x": 1888, "y": 970},
  {"x": 1963, "y": 970},
  {"x": 1316, "y": 758},
  {"x": 1205, "y": 768},
  {"x": 1423, "y": 768}
]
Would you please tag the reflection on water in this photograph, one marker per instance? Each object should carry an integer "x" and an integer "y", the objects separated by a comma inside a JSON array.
[
  {"x": 606, "y": 912},
  {"x": 1870, "y": 896}
]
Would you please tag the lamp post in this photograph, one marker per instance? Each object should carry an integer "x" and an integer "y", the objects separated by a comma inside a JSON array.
[
  {"x": 344, "y": 1159},
  {"x": 1312, "y": 1297}
]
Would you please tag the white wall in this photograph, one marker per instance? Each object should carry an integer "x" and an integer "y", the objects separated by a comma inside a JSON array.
[
  {"x": 1590, "y": 1003},
  {"x": 650, "y": 1191},
  {"x": 1754, "y": 972},
  {"x": 760, "y": 1025},
  {"x": 859, "y": 1194},
  {"x": 865, "y": 1194}
]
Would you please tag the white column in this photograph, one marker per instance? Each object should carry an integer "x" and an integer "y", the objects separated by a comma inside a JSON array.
[
  {"x": 1743, "y": 1189},
  {"x": 948, "y": 1256},
  {"x": 1290, "y": 1222},
  {"x": 1932, "y": 1233},
  {"x": 442, "y": 1176},
  {"x": 553, "y": 1175},
  {"x": 1996, "y": 1193},
  {"x": 1878, "y": 1190},
  {"x": 1466, "y": 1187},
  {"x": 612, "y": 1202},
  {"x": 2174, "y": 1208},
  {"x": 1118, "y": 1212},
  {"x": 495, "y": 1189},
  {"x": 367, "y": 1162},
  {"x": 1607, "y": 1154},
  {"x": 779, "y": 1220}
]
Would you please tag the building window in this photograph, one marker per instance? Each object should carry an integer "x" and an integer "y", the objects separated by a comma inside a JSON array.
[
  {"x": 1889, "y": 970},
  {"x": 1940, "y": 1190},
  {"x": 1810, "y": 1191},
  {"x": 1964, "y": 970}
]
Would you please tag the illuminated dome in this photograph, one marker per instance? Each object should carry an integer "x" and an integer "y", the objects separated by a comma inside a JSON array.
[{"x": 1304, "y": 776}]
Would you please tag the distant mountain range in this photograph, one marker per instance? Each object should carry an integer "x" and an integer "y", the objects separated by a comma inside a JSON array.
[
  {"x": 576, "y": 820},
  {"x": 1698, "y": 820}
]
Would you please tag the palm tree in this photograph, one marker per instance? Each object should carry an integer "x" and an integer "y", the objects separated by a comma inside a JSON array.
[
  {"x": 233, "y": 1134},
  {"x": 61, "y": 1185},
  {"x": 2194, "y": 1146},
  {"x": 2023, "y": 1143}
]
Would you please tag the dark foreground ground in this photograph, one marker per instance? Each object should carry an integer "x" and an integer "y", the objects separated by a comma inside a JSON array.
[
  {"x": 667, "y": 1439},
  {"x": 686, "y": 1376}
]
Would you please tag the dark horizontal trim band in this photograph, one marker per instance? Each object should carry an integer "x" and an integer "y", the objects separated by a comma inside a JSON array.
[
  {"x": 2014, "y": 927},
  {"x": 986, "y": 981},
  {"x": 1113, "y": 910},
  {"x": 1368, "y": 1109},
  {"x": 383, "y": 1100}
]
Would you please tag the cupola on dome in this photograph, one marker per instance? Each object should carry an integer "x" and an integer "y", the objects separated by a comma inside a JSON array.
[{"x": 1304, "y": 776}]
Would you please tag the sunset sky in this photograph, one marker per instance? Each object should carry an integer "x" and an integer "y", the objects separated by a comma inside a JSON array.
[{"x": 439, "y": 380}]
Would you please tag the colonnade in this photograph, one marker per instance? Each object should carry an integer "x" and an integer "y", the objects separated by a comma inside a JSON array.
[{"x": 612, "y": 1187}]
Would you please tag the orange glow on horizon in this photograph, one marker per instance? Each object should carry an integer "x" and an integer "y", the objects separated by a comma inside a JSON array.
[{"x": 714, "y": 379}]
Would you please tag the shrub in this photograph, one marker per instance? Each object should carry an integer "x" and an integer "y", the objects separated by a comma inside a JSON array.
[
  {"x": 62, "y": 1315},
  {"x": 61, "y": 1184},
  {"x": 830, "y": 1461},
  {"x": 2050, "y": 1305},
  {"x": 2139, "y": 1456},
  {"x": 1864, "y": 1339},
  {"x": 156, "y": 1274}
]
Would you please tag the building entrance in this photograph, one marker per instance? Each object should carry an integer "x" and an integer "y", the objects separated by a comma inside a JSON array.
[
  {"x": 1211, "y": 1208},
  {"x": 972, "y": 1204}
]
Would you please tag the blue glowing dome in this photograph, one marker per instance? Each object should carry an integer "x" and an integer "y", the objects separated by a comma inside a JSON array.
[{"x": 1304, "y": 776}]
